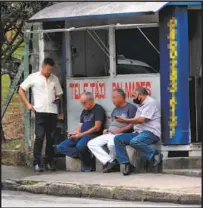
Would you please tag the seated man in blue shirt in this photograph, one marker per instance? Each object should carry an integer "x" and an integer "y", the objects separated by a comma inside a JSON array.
[{"x": 92, "y": 120}]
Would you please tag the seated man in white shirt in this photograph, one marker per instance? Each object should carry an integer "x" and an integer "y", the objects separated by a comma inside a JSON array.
[
  {"x": 147, "y": 130},
  {"x": 46, "y": 91},
  {"x": 123, "y": 109}
]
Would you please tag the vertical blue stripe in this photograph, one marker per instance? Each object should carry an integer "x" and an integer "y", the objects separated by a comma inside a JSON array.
[{"x": 181, "y": 135}]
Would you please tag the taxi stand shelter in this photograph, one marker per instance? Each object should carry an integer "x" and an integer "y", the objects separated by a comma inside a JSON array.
[{"x": 173, "y": 49}]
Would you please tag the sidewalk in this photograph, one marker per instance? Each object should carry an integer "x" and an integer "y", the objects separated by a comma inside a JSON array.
[{"x": 148, "y": 186}]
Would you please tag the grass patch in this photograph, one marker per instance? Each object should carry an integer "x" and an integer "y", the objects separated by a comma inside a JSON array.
[
  {"x": 5, "y": 85},
  {"x": 12, "y": 144},
  {"x": 29, "y": 183}
]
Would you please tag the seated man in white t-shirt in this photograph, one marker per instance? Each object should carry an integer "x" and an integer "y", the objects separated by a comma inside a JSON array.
[
  {"x": 124, "y": 109},
  {"x": 147, "y": 130}
]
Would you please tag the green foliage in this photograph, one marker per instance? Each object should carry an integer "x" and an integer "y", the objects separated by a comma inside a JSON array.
[
  {"x": 14, "y": 16},
  {"x": 5, "y": 83},
  {"x": 12, "y": 144}
]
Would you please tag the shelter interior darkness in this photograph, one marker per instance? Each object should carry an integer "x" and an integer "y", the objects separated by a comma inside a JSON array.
[
  {"x": 195, "y": 54},
  {"x": 89, "y": 51},
  {"x": 132, "y": 44}
]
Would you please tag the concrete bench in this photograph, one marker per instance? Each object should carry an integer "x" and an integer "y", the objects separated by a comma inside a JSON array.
[{"x": 74, "y": 165}]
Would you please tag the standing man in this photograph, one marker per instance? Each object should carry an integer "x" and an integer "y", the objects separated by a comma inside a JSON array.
[
  {"x": 46, "y": 91},
  {"x": 147, "y": 130},
  {"x": 91, "y": 125},
  {"x": 125, "y": 110}
]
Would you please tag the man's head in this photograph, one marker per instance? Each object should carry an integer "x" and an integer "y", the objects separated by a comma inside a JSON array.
[
  {"x": 140, "y": 95},
  {"x": 47, "y": 67},
  {"x": 87, "y": 100},
  {"x": 118, "y": 97}
]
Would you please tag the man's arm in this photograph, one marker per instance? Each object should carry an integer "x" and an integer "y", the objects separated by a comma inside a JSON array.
[
  {"x": 27, "y": 83},
  {"x": 78, "y": 129},
  {"x": 137, "y": 120},
  {"x": 146, "y": 115},
  {"x": 97, "y": 127},
  {"x": 24, "y": 99},
  {"x": 59, "y": 90},
  {"x": 123, "y": 129}
]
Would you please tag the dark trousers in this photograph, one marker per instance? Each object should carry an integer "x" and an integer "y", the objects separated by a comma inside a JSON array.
[
  {"x": 77, "y": 149},
  {"x": 45, "y": 125}
]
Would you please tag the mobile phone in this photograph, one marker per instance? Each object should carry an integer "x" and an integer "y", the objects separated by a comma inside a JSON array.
[
  {"x": 116, "y": 117},
  {"x": 56, "y": 100}
]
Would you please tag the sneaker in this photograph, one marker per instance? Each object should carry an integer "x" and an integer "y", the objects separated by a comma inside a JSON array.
[
  {"x": 50, "y": 167},
  {"x": 85, "y": 169},
  {"x": 129, "y": 169},
  {"x": 38, "y": 169}
]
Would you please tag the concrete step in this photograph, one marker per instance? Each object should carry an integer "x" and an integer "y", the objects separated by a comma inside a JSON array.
[
  {"x": 182, "y": 163},
  {"x": 168, "y": 163},
  {"x": 185, "y": 172},
  {"x": 191, "y": 163}
]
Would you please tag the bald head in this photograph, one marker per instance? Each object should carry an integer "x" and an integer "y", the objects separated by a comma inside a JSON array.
[{"x": 87, "y": 95}]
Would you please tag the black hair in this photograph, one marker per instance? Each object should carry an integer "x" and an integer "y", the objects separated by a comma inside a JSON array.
[{"x": 48, "y": 61}]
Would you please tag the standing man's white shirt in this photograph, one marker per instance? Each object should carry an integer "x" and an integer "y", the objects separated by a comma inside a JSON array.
[
  {"x": 149, "y": 109},
  {"x": 44, "y": 91}
]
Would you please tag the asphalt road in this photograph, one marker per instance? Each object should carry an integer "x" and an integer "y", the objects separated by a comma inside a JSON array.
[{"x": 23, "y": 199}]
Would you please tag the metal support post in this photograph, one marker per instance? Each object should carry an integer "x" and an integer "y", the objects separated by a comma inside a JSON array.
[
  {"x": 112, "y": 52},
  {"x": 26, "y": 73}
]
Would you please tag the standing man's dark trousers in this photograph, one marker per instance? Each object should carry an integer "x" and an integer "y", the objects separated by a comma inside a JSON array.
[{"x": 45, "y": 125}]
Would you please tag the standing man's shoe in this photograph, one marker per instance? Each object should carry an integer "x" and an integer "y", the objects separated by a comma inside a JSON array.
[
  {"x": 38, "y": 169},
  {"x": 50, "y": 167},
  {"x": 129, "y": 169}
]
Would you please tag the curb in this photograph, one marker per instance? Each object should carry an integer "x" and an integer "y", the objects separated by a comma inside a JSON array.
[
  {"x": 188, "y": 172},
  {"x": 100, "y": 191}
]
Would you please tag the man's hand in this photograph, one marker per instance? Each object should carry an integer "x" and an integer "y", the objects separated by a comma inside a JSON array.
[
  {"x": 30, "y": 107},
  {"x": 120, "y": 119},
  {"x": 56, "y": 101},
  {"x": 70, "y": 134},
  {"x": 76, "y": 136},
  {"x": 115, "y": 132},
  {"x": 106, "y": 131}
]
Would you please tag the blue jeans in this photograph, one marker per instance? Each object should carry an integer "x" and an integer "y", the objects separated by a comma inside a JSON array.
[
  {"x": 76, "y": 149},
  {"x": 139, "y": 141}
]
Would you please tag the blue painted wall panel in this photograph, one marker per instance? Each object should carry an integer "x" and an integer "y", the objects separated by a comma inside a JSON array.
[{"x": 174, "y": 73}]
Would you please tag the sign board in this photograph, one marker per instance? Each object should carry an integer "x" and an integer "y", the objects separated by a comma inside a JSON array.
[
  {"x": 174, "y": 73},
  {"x": 102, "y": 91}
]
